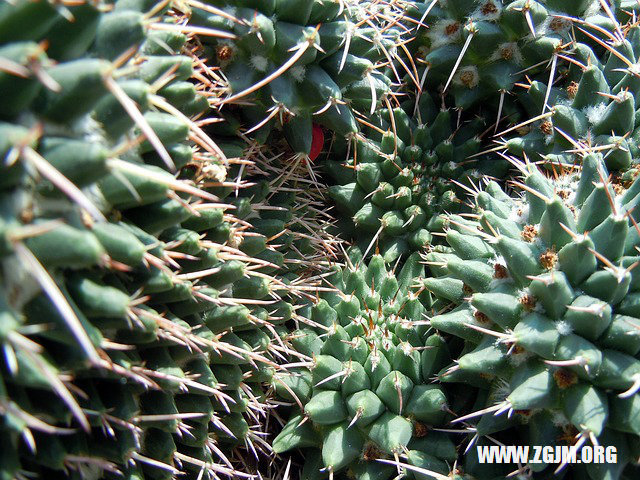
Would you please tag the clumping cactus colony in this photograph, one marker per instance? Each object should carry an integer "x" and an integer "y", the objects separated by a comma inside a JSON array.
[{"x": 318, "y": 239}]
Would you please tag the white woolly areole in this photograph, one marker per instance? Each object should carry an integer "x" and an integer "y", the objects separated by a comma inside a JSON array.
[
  {"x": 570, "y": 199},
  {"x": 475, "y": 174},
  {"x": 558, "y": 419},
  {"x": 406, "y": 348},
  {"x": 563, "y": 327},
  {"x": 520, "y": 358},
  {"x": 259, "y": 62},
  {"x": 519, "y": 213},
  {"x": 298, "y": 73},
  {"x": 444, "y": 32},
  {"x": 497, "y": 260},
  {"x": 553, "y": 24},
  {"x": 595, "y": 113},
  {"x": 522, "y": 293},
  {"x": 467, "y": 76},
  {"x": 375, "y": 359},
  {"x": 360, "y": 320},
  {"x": 571, "y": 183},
  {"x": 489, "y": 10},
  {"x": 496, "y": 282},
  {"x": 508, "y": 51},
  {"x": 538, "y": 308},
  {"x": 568, "y": 184}
]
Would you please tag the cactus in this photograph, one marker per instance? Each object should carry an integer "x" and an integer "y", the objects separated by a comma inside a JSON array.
[
  {"x": 542, "y": 289},
  {"x": 134, "y": 340},
  {"x": 590, "y": 108},
  {"x": 173, "y": 296},
  {"x": 287, "y": 207},
  {"x": 585, "y": 99},
  {"x": 364, "y": 393},
  {"x": 478, "y": 51},
  {"x": 300, "y": 63},
  {"x": 400, "y": 177}
]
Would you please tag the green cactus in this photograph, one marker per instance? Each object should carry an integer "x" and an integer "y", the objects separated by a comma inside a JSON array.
[
  {"x": 168, "y": 263},
  {"x": 590, "y": 110},
  {"x": 137, "y": 335},
  {"x": 585, "y": 99},
  {"x": 478, "y": 51},
  {"x": 301, "y": 62},
  {"x": 541, "y": 286},
  {"x": 365, "y": 394},
  {"x": 395, "y": 184}
]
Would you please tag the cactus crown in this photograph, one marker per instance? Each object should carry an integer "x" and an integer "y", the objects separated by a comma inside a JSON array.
[{"x": 366, "y": 394}]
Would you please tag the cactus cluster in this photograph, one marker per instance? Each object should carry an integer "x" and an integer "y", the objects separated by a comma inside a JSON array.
[
  {"x": 216, "y": 216},
  {"x": 542, "y": 290},
  {"x": 285, "y": 209}
]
